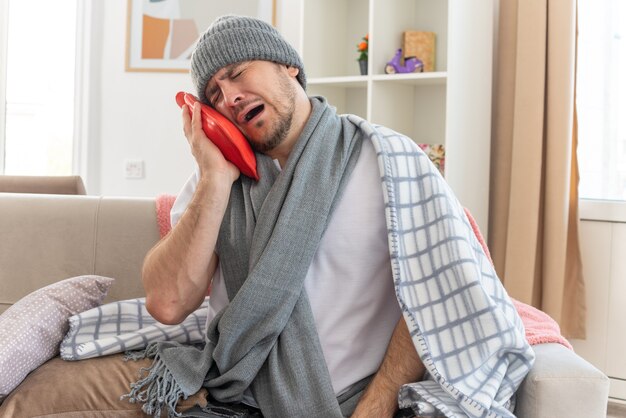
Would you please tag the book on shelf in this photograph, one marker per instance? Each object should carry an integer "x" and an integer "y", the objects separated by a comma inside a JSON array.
[{"x": 421, "y": 45}]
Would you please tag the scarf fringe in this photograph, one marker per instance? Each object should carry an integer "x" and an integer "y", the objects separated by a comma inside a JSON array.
[{"x": 157, "y": 390}]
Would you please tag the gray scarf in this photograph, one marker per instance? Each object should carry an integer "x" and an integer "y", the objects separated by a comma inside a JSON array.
[{"x": 266, "y": 337}]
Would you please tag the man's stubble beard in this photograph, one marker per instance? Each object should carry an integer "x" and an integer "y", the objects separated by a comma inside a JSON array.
[{"x": 282, "y": 125}]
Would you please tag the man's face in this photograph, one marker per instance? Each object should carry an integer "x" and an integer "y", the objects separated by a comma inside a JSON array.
[{"x": 258, "y": 97}]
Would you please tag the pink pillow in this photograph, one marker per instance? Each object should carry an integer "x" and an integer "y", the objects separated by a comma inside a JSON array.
[{"x": 32, "y": 329}]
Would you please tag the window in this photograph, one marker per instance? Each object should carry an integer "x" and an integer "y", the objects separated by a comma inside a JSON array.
[
  {"x": 601, "y": 99},
  {"x": 37, "y": 135}
]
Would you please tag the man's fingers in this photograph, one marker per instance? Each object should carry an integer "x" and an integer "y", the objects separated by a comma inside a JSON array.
[
  {"x": 207, "y": 154},
  {"x": 192, "y": 121},
  {"x": 186, "y": 120},
  {"x": 196, "y": 120},
  {"x": 196, "y": 137}
]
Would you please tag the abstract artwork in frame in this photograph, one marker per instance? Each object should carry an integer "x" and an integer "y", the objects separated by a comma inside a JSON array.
[{"x": 161, "y": 34}]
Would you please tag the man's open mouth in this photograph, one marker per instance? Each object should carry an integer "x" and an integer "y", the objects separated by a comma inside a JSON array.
[{"x": 252, "y": 113}]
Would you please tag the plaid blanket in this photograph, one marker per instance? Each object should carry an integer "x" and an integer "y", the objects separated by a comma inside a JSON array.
[
  {"x": 464, "y": 326},
  {"x": 126, "y": 325}
]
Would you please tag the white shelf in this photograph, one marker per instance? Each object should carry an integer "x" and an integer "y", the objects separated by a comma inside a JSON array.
[
  {"x": 348, "y": 81},
  {"x": 415, "y": 79},
  {"x": 450, "y": 106},
  {"x": 411, "y": 103}
]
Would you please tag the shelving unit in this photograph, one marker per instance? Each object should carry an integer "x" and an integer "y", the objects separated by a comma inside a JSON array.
[
  {"x": 450, "y": 106},
  {"x": 405, "y": 102}
]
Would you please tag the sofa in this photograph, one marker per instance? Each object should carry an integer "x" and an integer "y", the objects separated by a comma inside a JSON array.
[{"x": 48, "y": 238}]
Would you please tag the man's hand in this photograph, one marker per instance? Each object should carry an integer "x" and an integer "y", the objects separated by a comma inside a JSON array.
[
  {"x": 400, "y": 365},
  {"x": 177, "y": 270},
  {"x": 209, "y": 158}
]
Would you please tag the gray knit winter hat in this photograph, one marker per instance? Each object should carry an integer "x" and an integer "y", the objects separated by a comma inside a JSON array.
[{"x": 231, "y": 39}]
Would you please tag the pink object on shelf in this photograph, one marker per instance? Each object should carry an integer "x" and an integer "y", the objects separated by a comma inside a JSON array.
[{"x": 437, "y": 154}]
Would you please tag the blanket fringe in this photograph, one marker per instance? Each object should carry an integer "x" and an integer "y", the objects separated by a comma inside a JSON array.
[{"x": 158, "y": 389}]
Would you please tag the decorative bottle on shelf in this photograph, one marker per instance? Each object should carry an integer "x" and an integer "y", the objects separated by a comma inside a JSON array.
[
  {"x": 362, "y": 48},
  {"x": 363, "y": 67}
]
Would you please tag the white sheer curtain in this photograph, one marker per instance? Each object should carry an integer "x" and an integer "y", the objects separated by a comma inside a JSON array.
[
  {"x": 38, "y": 127},
  {"x": 601, "y": 92}
]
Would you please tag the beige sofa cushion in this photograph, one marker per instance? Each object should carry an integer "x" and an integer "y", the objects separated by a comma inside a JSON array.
[{"x": 81, "y": 389}]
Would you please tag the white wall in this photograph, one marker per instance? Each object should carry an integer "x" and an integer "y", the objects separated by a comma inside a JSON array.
[
  {"x": 603, "y": 245},
  {"x": 135, "y": 115}
]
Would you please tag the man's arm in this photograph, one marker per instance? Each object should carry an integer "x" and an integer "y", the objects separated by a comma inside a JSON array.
[
  {"x": 178, "y": 269},
  {"x": 400, "y": 365}
]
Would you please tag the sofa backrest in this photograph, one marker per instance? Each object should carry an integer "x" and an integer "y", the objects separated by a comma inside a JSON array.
[{"x": 47, "y": 238}]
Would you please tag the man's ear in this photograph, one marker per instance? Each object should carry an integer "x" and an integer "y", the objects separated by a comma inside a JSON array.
[{"x": 293, "y": 71}]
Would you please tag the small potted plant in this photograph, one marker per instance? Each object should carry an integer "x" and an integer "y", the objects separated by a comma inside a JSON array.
[{"x": 362, "y": 48}]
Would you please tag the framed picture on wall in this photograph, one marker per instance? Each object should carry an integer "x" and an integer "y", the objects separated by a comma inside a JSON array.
[{"x": 161, "y": 34}]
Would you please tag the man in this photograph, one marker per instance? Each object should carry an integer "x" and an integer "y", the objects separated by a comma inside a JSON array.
[{"x": 305, "y": 320}]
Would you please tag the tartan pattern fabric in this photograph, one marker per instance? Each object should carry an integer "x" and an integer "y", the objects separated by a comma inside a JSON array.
[
  {"x": 463, "y": 324},
  {"x": 126, "y": 325}
]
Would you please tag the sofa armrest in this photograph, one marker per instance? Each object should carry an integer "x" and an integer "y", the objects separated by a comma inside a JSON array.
[
  {"x": 562, "y": 384},
  {"x": 72, "y": 185}
]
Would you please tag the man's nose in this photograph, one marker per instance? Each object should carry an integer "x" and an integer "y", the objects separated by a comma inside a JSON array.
[{"x": 232, "y": 95}]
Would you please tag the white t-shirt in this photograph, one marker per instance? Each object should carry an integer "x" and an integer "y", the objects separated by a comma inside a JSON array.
[{"x": 349, "y": 282}]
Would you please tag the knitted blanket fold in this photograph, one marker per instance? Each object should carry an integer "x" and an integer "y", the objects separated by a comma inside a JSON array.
[
  {"x": 266, "y": 337},
  {"x": 540, "y": 327}
]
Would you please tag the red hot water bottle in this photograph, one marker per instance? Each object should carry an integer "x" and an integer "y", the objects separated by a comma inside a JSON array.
[{"x": 225, "y": 135}]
